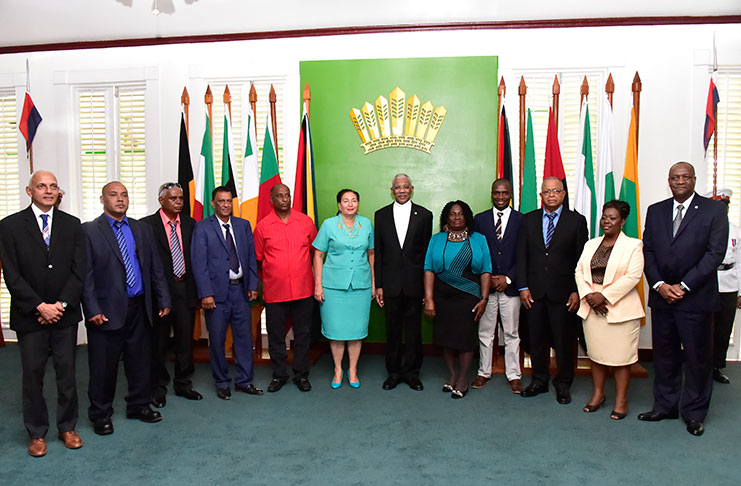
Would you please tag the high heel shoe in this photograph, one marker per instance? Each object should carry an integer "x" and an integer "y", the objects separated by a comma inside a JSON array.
[
  {"x": 353, "y": 384},
  {"x": 336, "y": 385},
  {"x": 593, "y": 408},
  {"x": 617, "y": 415}
]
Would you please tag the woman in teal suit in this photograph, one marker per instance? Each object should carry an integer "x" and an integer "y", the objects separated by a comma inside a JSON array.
[{"x": 344, "y": 284}]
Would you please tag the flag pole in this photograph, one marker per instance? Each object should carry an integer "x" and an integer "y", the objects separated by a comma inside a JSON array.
[
  {"x": 253, "y": 104},
  {"x": 715, "y": 117},
  {"x": 522, "y": 91},
  {"x": 556, "y": 96},
  {"x": 209, "y": 100},
  {"x": 273, "y": 98},
  {"x": 307, "y": 99},
  {"x": 28, "y": 90},
  {"x": 185, "y": 101},
  {"x": 610, "y": 88},
  {"x": 228, "y": 100},
  {"x": 584, "y": 91},
  {"x": 502, "y": 91},
  {"x": 636, "y": 88}
]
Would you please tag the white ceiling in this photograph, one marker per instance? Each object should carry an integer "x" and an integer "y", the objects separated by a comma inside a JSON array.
[{"x": 24, "y": 22}]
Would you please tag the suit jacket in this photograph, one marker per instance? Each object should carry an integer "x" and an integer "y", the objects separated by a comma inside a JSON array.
[
  {"x": 35, "y": 274},
  {"x": 187, "y": 224},
  {"x": 549, "y": 272},
  {"x": 105, "y": 284},
  {"x": 210, "y": 257},
  {"x": 504, "y": 252},
  {"x": 398, "y": 268},
  {"x": 624, "y": 271},
  {"x": 692, "y": 256}
]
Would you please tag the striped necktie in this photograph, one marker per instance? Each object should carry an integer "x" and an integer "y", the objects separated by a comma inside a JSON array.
[
  {"x": 130, "y": 277},
  {"x": 45, "y": 229},
  {"x": 550, "y": 229},
  {"x": 498, "y": 229},
  {"x": 677, "y": 220},
  {"x": 178, "y": 263},
  {"x": 231, "y": 250}
]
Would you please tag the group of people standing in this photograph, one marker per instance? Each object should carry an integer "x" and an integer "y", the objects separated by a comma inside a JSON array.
[{"x": 138, "y": 282}]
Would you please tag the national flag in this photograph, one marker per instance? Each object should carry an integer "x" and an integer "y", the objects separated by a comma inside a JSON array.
[
  {"x": 585, "y": 199},
  {"x": 250, "y": 175},
  {"x": 605, "y": 181},
  {"x": 204, "y": 176},
  {"x": 30, "y": 120},
  {"x": 185, "y": 169},
  {"x": 710, "y": 111},
  {"x": 269, "y": 175},
  {"x": 227, "y": 162},
  {"x": 553, "y": 166},
  {"x": 629, "y": 188},
  {"x": 304, "y": 191},
  {"x": 529, "y": 192},
  {"x": 504, "y": 149}
]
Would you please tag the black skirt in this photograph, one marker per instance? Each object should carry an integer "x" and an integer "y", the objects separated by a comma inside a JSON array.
[{"x": 454, "y": 325}]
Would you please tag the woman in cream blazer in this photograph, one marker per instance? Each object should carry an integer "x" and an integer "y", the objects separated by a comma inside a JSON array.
[{"x": 608, "y": 271}]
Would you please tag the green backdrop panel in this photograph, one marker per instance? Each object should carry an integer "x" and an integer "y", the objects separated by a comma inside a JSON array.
[{"x": 461, "y": 164}]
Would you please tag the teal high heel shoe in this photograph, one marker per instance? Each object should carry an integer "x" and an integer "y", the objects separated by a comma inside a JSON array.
[
  {"x": 354, "y": 384},
  {"x": 336, "y": 385}
]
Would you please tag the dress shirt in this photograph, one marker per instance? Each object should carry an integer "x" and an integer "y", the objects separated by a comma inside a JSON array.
[
  {"x": 284, "y": 251},
  {"x": 402, "y": 214},
  {"x": 729, "y": 280},
  {"x": 138, "y": 287},
  {"x": 505, "y": 217},
  {"x": 37, "y": 214},
  {"x": 555, "y": 220},
  {"x": 240, "y": 273},
  {"x": 168, "y": 230}
]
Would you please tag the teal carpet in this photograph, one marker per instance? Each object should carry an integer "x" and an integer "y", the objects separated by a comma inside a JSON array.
[{"x": 376, "y": 437}]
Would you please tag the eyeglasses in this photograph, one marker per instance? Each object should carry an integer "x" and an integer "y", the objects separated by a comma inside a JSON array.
[{"x": 551, "y": 191}]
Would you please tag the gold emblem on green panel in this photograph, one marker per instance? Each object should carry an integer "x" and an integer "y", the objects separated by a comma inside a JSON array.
[{"x": 398, "y": 122}]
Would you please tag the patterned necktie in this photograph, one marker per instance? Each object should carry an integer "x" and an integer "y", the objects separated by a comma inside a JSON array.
[
  {"x": 499, "y": 225},
  {"x": 130, "y": 277},
  {"x": 45, "y": 229},
  {"x": 550, "y": 229},
  {"x": 231, "y": 250},
  {"x": 178, "y": 263},
  {"x": 677, "y": 220}
]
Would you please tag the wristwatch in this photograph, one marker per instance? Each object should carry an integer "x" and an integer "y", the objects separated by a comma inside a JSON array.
[
  {"x": 64, "y": 304},
  {"x": 508, "y": 280}
]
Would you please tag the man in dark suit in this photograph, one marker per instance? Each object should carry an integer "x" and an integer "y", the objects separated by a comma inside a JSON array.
[
  {"x": 684, "y": 242},
  {"x": 548, "y": 248},
  {"x": 225, "y": 271},
  {"x": 402, "y": 232},
  {"x": 124, "y": 278},
  {"x": 43, "y": 255},
  {"x": 173, "y": 231},
  {"x": 500, "y": 225}
]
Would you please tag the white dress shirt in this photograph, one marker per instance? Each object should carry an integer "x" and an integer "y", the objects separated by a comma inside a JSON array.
[
  {"x": 240, "y": 273},
  {"x": 505, "y": 217},
  {"x": 37, "y": 214},
  {"x": 402, "y": 214}
]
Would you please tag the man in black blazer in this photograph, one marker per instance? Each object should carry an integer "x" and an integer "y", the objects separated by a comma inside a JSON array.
[
  {"x": 173, "y": 231},
  {"x": 43, "y": 255},
  {"x": 500, "y": 225},
  {"x": 402, "y": 232},
  {"x": 548, "y": 248},
  {"x": 684, "y": 242},
  {"x": 124, "y": 279}
]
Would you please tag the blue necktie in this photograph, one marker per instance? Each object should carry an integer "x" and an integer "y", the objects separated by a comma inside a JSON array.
[
  {"x": 130, "y": 277},
  {"x": 550, "y": 229},
  {"x": 231, "y": 251},
  {"x": 178, "y": 263},
  {"x": 45, "y": 230}
]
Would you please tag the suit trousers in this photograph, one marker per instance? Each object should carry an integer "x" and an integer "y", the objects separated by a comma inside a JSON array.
[
  {"x": 277, "y": 315},
  {"x": 722, "y": 327},
  {"x": 403, "y": 315},
  {"x": 134, "y": 341},
  {"x": 550, "y": 324},
  {"x": 677, "y": 334},
  {"x": 180, "y": 320},
  {"x": 35, "y": 347},
  {"x": 234, "y": 311},
  {"x": 508, "y": 308}
]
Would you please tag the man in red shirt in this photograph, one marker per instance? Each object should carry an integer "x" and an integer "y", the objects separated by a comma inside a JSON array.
[{"x": 283, "y": 249}]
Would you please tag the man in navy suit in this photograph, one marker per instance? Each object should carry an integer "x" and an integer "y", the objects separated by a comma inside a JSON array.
[
  {"x": 225, "y": 269},
  {"x": 684, "y": 242},
  {"x": 500, "y": 225},
  {"x": 124, "y": 276}
]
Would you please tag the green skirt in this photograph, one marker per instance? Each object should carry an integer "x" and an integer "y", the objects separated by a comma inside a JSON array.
[{"x": 345, "y": 313}]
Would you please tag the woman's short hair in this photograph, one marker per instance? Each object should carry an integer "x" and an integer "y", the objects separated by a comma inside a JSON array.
[
  {"x": 621, "y": 207},
  {"x": 467, "y": 214},
  {"x": 342, "y": 193}
]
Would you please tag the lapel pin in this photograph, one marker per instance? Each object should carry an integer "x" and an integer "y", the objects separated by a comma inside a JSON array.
[
  {"x": 415, "y": 213},
  {"x": 695, "y": 206}
]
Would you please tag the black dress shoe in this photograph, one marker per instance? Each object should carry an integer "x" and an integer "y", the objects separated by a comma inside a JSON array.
[
  {"x": 275, "y": 385},
  {"x": 563, "y": 397},
  {"x": 391, "y": 382},
  {"x": 654, "y": 416},
  {"x": 249, "y": 389},
  {"x": 303, "y": 384},
  {"x": 189, "y": 393},
  {"x": 695, "y": 427},
  {"x": 158, "y": 401},
  {"x": 224, "y": 393},
  {"x": 415, "y": 384},
  {"x": 720, "y": 377},
  {"x": 103, "y": 426},
  {"x": 534, "y": 389},
  {"x": 145, "y": 414}
]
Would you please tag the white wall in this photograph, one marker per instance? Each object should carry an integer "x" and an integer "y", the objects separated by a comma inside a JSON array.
[{"x": 672, "y": 62}]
